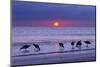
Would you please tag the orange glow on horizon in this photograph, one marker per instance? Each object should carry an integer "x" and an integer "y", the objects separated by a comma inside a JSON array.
[{"x": 56, "y": 24}]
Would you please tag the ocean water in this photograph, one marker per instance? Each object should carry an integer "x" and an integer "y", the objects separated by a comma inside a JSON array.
[
  {"x": 52, "y": 31},
  {"x": 31, "y": 33},
  {"x": 50, "y": 51}
]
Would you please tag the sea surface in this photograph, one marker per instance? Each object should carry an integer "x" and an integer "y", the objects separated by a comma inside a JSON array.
[
  {"x": 52, "y": 31},
  {"x": 31, "y": 33},
  {"x": 50, "y": 51}
]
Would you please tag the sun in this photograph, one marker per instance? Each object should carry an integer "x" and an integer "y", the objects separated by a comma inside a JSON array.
[{"x": 56, "y": 24}]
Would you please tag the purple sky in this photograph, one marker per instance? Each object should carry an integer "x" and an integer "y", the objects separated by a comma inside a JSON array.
[
  {"x": 44, "y": 14},
  {"x": 46, "y": 23}
]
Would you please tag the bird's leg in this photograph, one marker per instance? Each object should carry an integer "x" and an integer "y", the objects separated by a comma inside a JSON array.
[
  {"x": 79, "y": 47},
  {"x": 72, "y": 47},
  {"x": 25, "y": 50},
  {"x": 36, "y": 49},
  {"x": 87, "y": 46},
  {"x": 61, "y": 48}
]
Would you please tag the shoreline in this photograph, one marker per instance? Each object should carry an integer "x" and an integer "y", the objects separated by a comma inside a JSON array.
[{"x": 53, "y": 38}]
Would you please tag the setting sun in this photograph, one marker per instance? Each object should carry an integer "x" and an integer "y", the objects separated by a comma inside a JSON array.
[{"x": 56, "y": 23}]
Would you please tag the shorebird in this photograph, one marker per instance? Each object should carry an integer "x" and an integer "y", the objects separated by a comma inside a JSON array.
[
  {"x": 25, "y": 47},
  {"x": 61, "y": 45},
  {"x": 37, "y": 47},
  {"x": 87, "y": 42},
  {"x": 79, "y": 44},
  {"x": 72, "y": 44}
]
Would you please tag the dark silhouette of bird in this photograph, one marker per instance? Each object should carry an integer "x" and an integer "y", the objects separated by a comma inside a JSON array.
[
  {"x": 61, "y": 45},
  {"x": 25, "y": 47},
  {"x": 87, "y": 42},
  {"x": 79, "y": 44},
  {"x": 72, "y": 44},
  {"x": 37, "y": 47}
]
